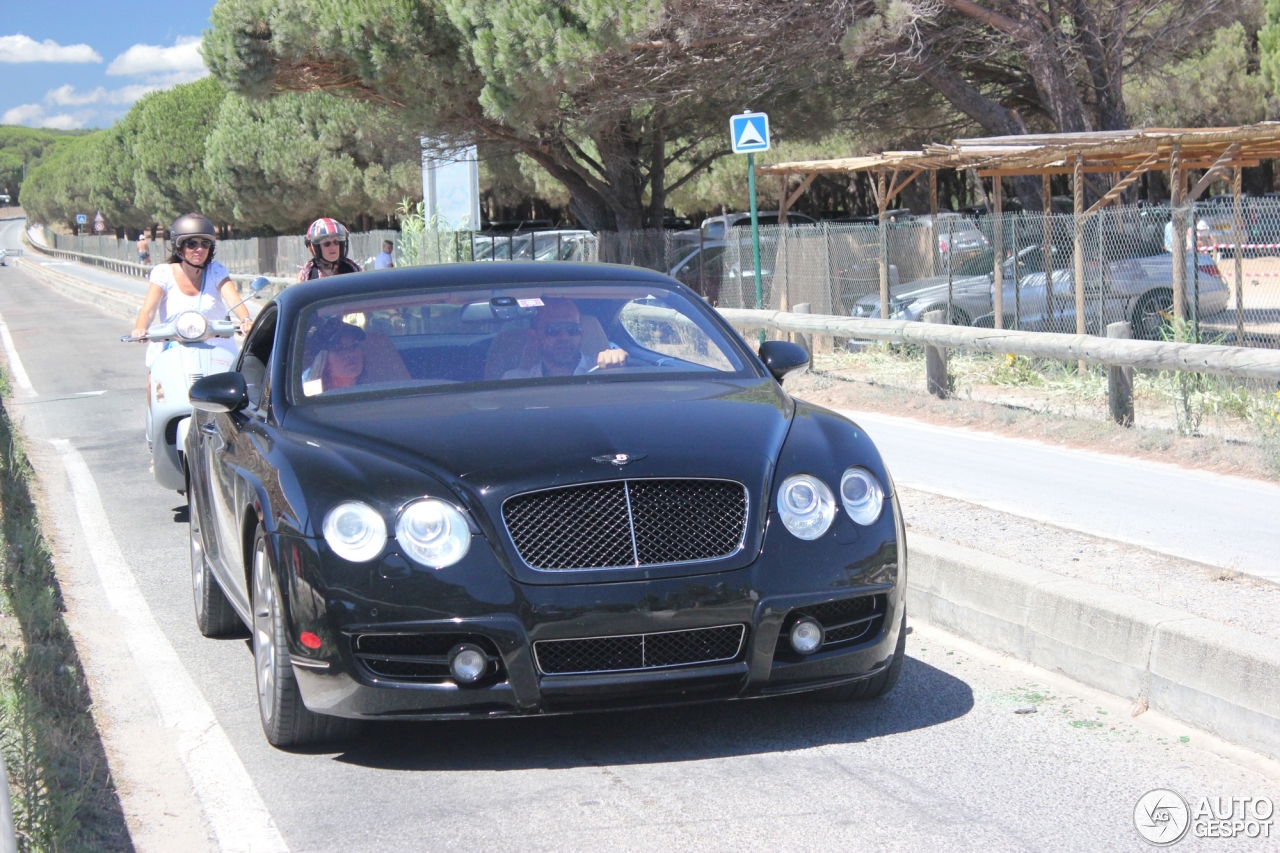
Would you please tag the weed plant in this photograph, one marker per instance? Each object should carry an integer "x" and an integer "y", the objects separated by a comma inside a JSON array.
[{"x": 60, "y": 788}]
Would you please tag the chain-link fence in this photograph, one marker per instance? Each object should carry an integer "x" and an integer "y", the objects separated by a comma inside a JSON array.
[{"x": 1055, "y": 273}]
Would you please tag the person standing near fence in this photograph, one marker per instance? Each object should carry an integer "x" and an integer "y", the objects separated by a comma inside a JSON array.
[
  {"x": 327, "y": 240},
  {"x": 144, "y": 248},
  {"x": 385, "y": 259}
]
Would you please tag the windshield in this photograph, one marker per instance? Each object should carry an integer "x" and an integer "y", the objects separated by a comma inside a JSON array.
[{"x": 432, "y": 339}]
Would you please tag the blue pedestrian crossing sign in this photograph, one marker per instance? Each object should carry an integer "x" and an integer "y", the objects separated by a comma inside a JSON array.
[{"x": 749, "y": 133}]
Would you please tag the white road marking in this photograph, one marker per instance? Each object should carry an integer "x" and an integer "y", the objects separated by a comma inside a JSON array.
[
  {"x": 91, "y": 393},
  {"x": 16, "y": 370},
  {"x": 231, "y": 802}
]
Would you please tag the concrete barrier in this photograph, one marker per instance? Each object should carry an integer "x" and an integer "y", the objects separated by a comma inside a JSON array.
[
  {"x": 116, "y": 302},
  {"x": 1217, "y": 678}
]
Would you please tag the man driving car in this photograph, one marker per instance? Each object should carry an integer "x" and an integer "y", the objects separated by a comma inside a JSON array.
[{"x": 558, "y": 337}]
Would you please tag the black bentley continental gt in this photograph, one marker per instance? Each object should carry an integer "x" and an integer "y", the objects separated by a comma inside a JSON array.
[{"x": 531, "y": 488}]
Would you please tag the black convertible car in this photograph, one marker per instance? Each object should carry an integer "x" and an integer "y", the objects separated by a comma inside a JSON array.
[{"x": 525, "y": 488}]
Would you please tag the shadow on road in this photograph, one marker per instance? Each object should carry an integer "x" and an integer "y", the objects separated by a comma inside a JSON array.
[{"x": 924, "y": 697}]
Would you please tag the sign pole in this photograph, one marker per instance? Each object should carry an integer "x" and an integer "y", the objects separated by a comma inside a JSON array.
[
  {"x": 749, "y": 133},
  {"x": 755, "y": 228}
]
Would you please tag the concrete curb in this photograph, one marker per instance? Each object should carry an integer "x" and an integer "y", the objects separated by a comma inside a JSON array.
[
  {"x": 1220, "y": 679},
  {"x": 115, "y": 302}
]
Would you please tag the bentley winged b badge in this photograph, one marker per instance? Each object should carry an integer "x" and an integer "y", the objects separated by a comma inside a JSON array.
[{"x": 618, "y": 459}]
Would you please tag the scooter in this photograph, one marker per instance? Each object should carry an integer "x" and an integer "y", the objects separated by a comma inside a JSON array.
[{"x": 172, "y": 372}]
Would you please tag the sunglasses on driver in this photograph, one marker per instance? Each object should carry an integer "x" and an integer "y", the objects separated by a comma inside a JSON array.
[
  {"x": 197, "y": 243},
  {"x": 555, "y": 330}
]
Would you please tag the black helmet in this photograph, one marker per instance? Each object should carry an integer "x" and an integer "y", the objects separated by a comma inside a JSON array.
[{"x": 187, "y": 226}]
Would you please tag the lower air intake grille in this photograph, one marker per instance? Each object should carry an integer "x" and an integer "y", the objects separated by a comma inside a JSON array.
[
  {"x": 639, "y": 651},
  {"x": 625, "y": 523},
  {"x": 845, "y": 622},
  {"x": 416, "y": 657}
]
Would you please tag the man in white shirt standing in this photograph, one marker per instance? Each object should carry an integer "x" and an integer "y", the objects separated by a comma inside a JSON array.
[{"x": 385, "y": 260}]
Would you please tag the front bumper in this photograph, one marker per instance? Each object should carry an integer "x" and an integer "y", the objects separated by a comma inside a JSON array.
[{"x": 855, "y": 572}]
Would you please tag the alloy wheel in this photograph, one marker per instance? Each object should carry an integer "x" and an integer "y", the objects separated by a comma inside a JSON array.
[{"x": 264, "y": 635}]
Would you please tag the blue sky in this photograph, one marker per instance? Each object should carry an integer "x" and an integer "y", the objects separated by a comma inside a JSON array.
[{"x": 82, "y": 64}]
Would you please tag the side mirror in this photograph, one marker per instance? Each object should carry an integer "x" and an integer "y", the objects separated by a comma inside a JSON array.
[
  {"x": 258, "y": 284},
  {"x": 219, "y": 392},
  {"x": 783, "y": 357}
]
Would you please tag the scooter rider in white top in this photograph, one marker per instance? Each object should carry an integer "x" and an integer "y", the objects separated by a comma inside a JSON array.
[{"x": 191, "y": 281}]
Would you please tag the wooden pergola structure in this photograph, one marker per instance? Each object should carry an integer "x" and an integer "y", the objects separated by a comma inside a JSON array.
[{"x": 1126, "y": 155}]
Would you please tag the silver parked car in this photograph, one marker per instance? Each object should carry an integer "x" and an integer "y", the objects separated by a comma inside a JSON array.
[{"x": 1139, "y": 290}]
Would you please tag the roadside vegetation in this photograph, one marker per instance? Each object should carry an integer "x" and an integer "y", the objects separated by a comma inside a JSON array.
[{"x": 60, "y": 786}]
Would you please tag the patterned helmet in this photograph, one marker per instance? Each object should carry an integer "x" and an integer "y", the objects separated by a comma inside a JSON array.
[{"x": 326, "y": 229}]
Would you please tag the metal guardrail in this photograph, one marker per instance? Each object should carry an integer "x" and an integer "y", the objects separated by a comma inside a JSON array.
[
  {"x": 1241, "y": 362},
  {"x": 132, "y": 268}
]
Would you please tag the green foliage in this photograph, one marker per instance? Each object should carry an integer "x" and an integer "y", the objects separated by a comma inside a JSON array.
[
  {"x": 29, "y": 146},
  {"x": 269, "y": 166},
  {"x": 1214, "y": 88},
  {"x": 279, "y": 163}
]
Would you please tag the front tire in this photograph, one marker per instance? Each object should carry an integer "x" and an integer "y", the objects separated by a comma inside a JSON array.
[
  {"x": 286, "y": 721},
  {"x": 215, "y": 617},
  {"x": 1152, "y": 315}
]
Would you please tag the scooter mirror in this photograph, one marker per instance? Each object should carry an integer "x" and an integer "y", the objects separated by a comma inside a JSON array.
[{"x": 256, "y": 286}]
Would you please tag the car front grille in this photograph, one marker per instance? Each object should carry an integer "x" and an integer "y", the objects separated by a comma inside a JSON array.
[
  {"x": 624, "y": 523},
  {"x": 639, "y": 651},
  {"x": 416, "y": 657}
]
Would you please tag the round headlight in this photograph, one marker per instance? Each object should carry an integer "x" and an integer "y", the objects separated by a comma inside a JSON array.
[
  {"x": 861, "y": 495},
  {"x": 192, "y": 325},
  {"x": 433, "y": 532},
  {"x": 355, "y": 531},
  {"x": 806, "y": 506}
]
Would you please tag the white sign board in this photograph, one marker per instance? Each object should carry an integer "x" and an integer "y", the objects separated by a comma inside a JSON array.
[
  {"x": 451, "y": 188},
  {"x": 98, "y": 223},
  {"x": 749, "y": 133}
]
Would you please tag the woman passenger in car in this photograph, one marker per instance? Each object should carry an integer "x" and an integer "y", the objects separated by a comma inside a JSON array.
[{"x": 339, "y": 359}]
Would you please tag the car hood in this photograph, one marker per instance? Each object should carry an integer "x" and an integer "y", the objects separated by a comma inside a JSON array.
[
  {"x": 932, "y": 288},
  {"x": 498, "y": 442}
]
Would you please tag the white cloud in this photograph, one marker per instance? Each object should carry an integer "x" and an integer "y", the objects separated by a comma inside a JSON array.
[
  {"x": 67, "y": 96},
  {"x": 20, "y": 48},
  {"x": 33, "y": 115},
  {"x": 163, "y": 66}
]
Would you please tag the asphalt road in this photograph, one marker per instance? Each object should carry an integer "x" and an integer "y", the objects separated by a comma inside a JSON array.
[
  {"x": 1198, "y": 515},
  {"x": 942, "y": 763}
]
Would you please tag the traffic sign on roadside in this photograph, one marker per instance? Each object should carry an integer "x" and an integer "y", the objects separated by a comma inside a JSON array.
[
  {"x": 749, "y": 133},
  {"x": 81, "y": 219},
  {"x": 98, "y": 223}
]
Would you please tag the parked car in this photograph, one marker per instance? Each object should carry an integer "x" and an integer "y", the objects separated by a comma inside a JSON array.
[
  {"x": 563, "y": 245},
  {"x": 417, "y": 521},
  {"x": 1139, "y": 290},
  {"x": 961, "y": 243},
  {"x": 716, "y": 227}
]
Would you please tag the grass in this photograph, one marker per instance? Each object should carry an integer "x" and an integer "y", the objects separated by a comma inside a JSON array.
[{"x": 61, "y": 789}]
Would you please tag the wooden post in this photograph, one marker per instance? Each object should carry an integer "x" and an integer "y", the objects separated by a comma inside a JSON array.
[
  {"x": 935, "y": 359},
  {"x": 801, "y": 338},
  {"x": 1120, "y": 381},
  {"x": 997, "y": 245},
  {"x": 933, "y": 221},
  {"x": 1178, "y": 242},
  {"x": 882, "y": 200},
  {"x": 1238, "y": 214},
  {"x": 1077, "y": 242},
  {"x": 1047, "y": 227},
  {"x": 782, "y": 199}
]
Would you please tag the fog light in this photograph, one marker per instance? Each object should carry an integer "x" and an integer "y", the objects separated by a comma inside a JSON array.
[
  {"x": 806, "y": 636},
  {"x": 468, "y": 663}
]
